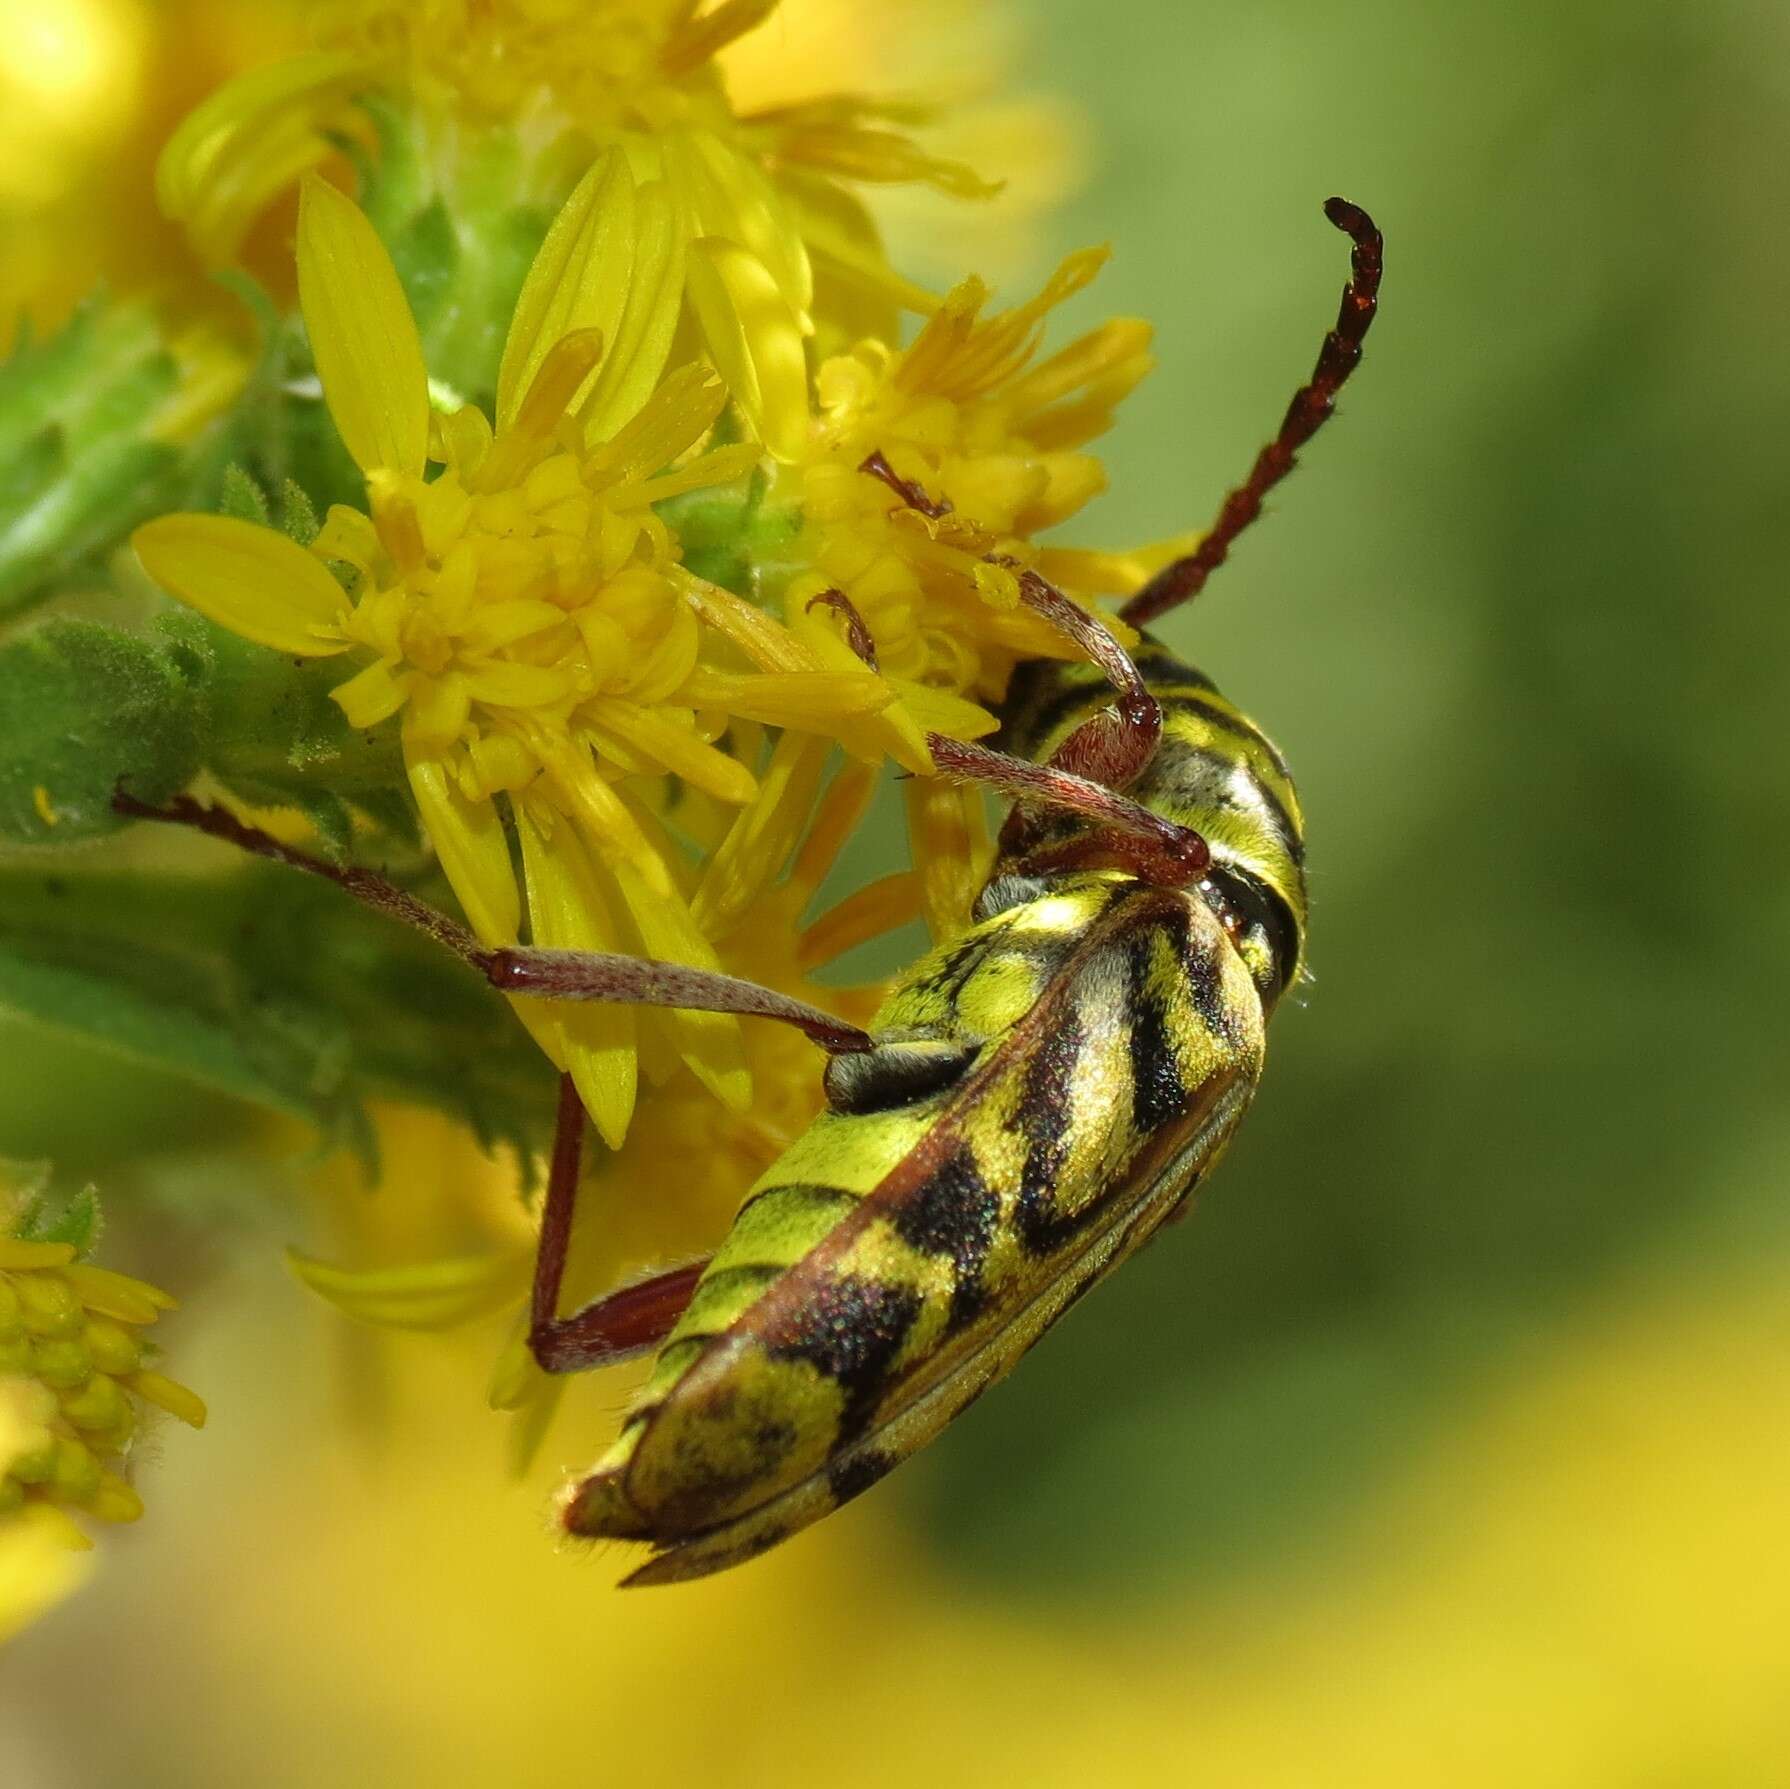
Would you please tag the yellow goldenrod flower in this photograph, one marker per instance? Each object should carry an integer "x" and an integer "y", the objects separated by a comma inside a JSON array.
[
  {"x": 524, "y": 611},
  {"x": 978, "y": 446},
  {"x": 697, "y": 1155},
  {"x": 75, "y": 1372},
  {"x": 754, "y": 203},
  {"x": 957, "y": 70}
]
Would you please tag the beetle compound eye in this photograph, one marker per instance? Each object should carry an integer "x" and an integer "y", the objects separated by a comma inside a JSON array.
[{"x": 896, "y": 1073}]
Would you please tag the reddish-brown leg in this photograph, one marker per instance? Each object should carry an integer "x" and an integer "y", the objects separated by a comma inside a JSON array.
[
  {"x": 1114, "y": 748},
  {"x": 875, "y": 464},
  {"x": 519, "y": 969},
  {"x": 644, "y": 981},
  {"x": 613, "y": 1328},
  {"x": 1310, "y": 409},
  {"x": 1134, "y": 838},
  {"x": 367, "y": 886},
  {"x": 1143, "y": 842}
]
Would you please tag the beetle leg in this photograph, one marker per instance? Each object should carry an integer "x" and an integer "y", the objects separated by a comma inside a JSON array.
[
  {"x": 876, "y": 465},
  {"x": 367, "y": 886},
  {"x": 1113, "y": 747},
  {"x": 551, "y": 974},
  {"x": 609, "y": 1329},
  {"x": 1308, "y": 412},
  {"x": 1153, "y": 847},
  {"x": 645, "y": 981},
  {"x": 857, "y": 633}
]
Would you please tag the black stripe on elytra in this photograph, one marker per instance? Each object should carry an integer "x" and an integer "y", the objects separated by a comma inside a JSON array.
[
  {"x": 1234, "y": 725},
  {"x": 853, "y": 1475},
  {"x": 723, "y": 1292},
  {"x": 1199, "y": 964},
  {"x": 1158, "y": 1090},
  {"x": 981, "y": 949},
  {"x": 954, "y": 1212},
  {"x": 1044, "y": 1115},
  {"x": 836, "y": 1199},
  {"x": 851, "y": 1330}
]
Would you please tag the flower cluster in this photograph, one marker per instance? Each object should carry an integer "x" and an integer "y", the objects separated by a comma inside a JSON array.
[
  {"x": 661, "y": 514},
  {"x": 583, "y": 713},
  {"x": 75, "y": 1372}
]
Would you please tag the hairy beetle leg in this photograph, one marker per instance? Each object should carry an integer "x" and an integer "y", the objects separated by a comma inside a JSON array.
[
  {"x": 646, "y": 981},
  {"x": 518, "y": 969},
  {"x": 612, "y": 1328},
  {"x": 1116, "y": 748},
  {"x": 367, "y": 886},
  {"x": 1155, "y": 849}
]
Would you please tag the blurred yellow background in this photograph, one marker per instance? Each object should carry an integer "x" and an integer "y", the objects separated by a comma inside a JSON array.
[{"x": 1450, "y": 1441}]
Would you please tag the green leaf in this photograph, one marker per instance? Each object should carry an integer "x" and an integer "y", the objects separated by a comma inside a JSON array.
[
  {"x": 273, "y": 734},
  {"x": 271, "y": 987},
  {"x": 82, "y": 708},
  {"x": 83, "y": 462},
  {"x": 76, "y": 1220},
  {"x": 298, "y": 514},
  {"x": 241, "y": 497}
]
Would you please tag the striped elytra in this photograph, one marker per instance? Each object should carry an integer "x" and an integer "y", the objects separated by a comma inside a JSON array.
[
  {"x": 1044, "y": 1089},
  {"x": 1047, "y": 1088}
]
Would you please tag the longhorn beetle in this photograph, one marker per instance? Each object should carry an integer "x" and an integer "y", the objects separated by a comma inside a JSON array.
[{"x": 1034, "y": 1099}]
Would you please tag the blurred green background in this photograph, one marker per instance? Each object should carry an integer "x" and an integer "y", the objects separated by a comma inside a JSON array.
[{"x": 1447, "y": 1440}]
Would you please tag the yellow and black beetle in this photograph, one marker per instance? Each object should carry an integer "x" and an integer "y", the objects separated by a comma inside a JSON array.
[{"x": 1034, "y": 1099}]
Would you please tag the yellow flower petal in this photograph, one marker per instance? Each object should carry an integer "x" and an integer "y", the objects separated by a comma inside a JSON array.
[
  {"x": 425, "y": 1295},
  {"x": 350, "y": 536},
  {"x": 247, "y": 578},
  {"x": 755, "y": 339},
  {"x": 469, "y": 840},
  {"x": 567, "y": 911},
  {"x": 842, "y": 808},
  {"x": 810, "y": 699},
  {"x": 505, "y": 684},
  {"x": 245, "y": 143},
  {"x": 698, "y": 39},
  {"x": 644, "y": 335},
  {"x": 938, "y": 711},
  {"x": 19, "y": 1256},
  {"x": 672, "y": 420},
  {"x": 709, "y": 1043},
  {"x": 732, "y": 199},
  {"x": 170, "y": 1395},
  {"x": 579, "y": 280},
  {"x": 371, "y": 695},
  {"x": 676, "y": 748},
  {"x": 948, "y": 826},
  {"x": 363, "y": 336},
  {"x": 759, "y": 842},
  {"x": 760, "y": 637},
  {"x": 868, "y": 912}
]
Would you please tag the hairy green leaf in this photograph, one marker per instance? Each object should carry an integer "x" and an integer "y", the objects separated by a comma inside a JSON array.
[
  {"x": 82, "y": 708},
  {"x": 271, "y": 987}
]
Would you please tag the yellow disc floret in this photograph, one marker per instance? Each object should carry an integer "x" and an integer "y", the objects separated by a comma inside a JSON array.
[
  {"x": 76, "y": 1371},
  {"x": 929, "y": 473},
  {"x": 523, "y": 612}
]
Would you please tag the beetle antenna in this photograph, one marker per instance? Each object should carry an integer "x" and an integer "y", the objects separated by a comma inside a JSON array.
[{"x": 1310, "y": 409}]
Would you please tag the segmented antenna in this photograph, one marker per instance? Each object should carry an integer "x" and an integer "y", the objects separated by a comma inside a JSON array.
[{"x": 1308, "y": 412}]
